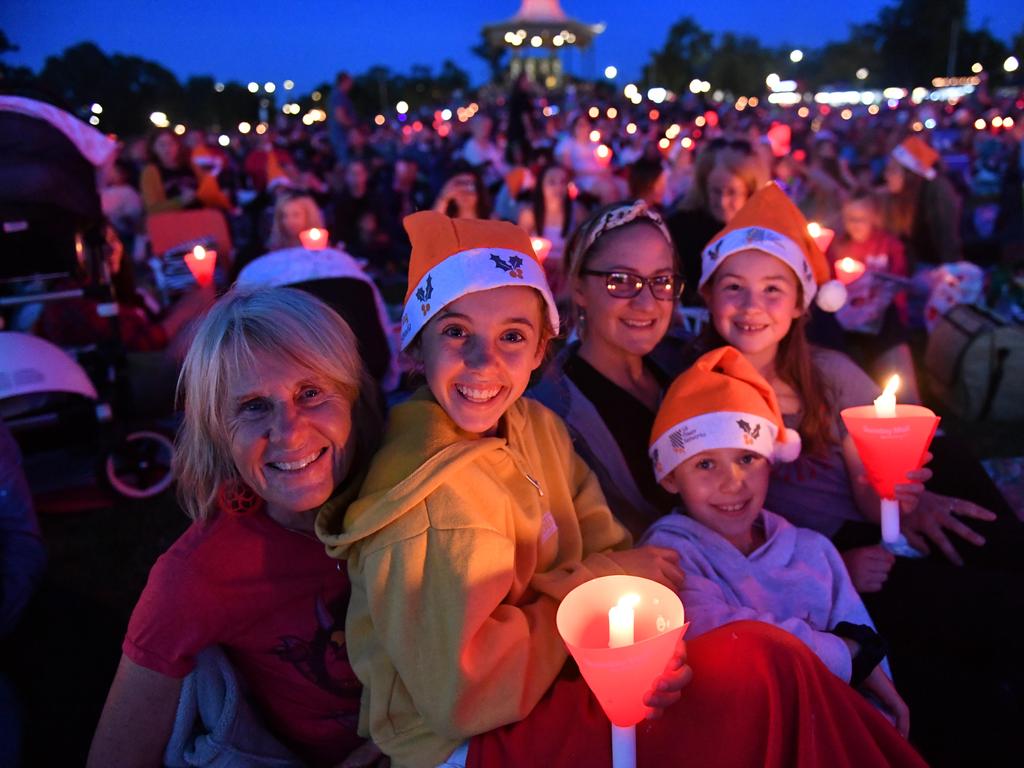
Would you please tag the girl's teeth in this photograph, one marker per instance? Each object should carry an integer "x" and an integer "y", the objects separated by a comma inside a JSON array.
[
  {"x": 477, "y": 395},
  {"x": 292, "y": 466},
  {"x": 639, "y": 323}
]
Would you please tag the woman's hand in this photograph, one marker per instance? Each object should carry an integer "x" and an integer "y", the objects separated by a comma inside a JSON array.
[
  {"x": 869, "y": 567},
  {"x": 655, "y": 563},
  {"x": 934, "y": 516},
  {"x": 879, "y": 684},
  {"x": 908, "y": 494},
  {"x": 668, "y": 688},
  {"x": 367, "y": 755}
]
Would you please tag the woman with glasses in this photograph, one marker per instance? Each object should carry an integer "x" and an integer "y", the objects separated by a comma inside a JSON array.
[{"x": 623, "y": 277}]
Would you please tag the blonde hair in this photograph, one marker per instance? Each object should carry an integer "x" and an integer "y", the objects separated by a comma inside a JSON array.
[
  {"x": 747, "y": 166},
  {"x": 279, "y": 237},
  {"x": 284, "y": 322}
]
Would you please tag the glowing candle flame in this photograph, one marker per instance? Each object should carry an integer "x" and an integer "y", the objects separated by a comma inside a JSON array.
[
  {"x": 313, "y": 239},
  {"x": 620, "y": 621},
  {"x": 885, "y": 403},
  {"x": 849, "y": 269}
]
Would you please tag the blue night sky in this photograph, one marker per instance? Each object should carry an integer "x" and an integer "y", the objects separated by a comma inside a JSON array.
[{"x": 309, "y": 41}]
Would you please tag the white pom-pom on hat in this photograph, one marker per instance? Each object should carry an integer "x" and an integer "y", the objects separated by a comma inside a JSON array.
[
  {"x": 790, "y": 449},
  {"x": 831, "y": 296}
]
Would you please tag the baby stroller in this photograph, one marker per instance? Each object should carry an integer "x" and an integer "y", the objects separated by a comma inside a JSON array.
[{"x": 57, "y": 400}]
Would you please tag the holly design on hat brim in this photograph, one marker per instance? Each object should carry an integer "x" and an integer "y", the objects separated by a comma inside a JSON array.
[
  {"x": 514, "y": 265},
  {"x": 424, "y": 293},
  {"x": 470, "y": 271}
]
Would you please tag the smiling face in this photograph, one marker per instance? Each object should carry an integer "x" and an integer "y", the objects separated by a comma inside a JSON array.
[
  {"x": 291, "y": 436},
  {"x": 754, "y": 299},
  {"x": 617, "y": 326},
  {"x": 479, "y": 351},
  {"x": 724, "y": 489},
  {"x": 726, "y": 194}
]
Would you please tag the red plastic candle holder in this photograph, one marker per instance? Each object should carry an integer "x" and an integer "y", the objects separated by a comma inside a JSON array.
[
  {"x": 890, "y": 446},
  {"x": 201, "y": 263},
  {"x": 619, "y": 677},
  {"x": 314, "y": 239},
  {"x": 848, "y": 270}
]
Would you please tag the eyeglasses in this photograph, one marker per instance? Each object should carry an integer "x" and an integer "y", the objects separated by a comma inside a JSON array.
[{"x": 626, "y": 285}]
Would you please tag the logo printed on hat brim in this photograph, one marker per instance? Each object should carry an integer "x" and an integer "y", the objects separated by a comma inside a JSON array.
[{"x": 708, "y": 431}]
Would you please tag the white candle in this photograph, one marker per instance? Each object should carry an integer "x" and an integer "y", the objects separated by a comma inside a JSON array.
[
  {"x": 620, "y": 621},
  {"x": 885, "y": 403}
]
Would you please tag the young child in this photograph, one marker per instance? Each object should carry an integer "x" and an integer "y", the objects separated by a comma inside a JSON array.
[
  {"x": 875, "y": 313},
  {"x": 760, "y": 275},
  {"x": 716, "y": 434},
  {"x": 477, "y": 518}
]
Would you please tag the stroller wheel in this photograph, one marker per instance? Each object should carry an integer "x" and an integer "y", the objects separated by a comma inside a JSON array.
[{"x": 141, "y": 466}]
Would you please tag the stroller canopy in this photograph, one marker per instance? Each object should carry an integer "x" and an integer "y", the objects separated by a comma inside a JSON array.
[{"x": 48, "y": 158}]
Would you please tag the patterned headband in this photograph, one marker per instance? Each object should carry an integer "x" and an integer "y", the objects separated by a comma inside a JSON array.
[{"x": 614, "y": 219}]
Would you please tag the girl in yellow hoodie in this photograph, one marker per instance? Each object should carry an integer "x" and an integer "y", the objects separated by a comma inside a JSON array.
[{"x": 476, "y": 519}]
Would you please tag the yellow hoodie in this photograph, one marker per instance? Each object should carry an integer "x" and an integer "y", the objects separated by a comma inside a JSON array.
[{"x": 459, "y": 551}]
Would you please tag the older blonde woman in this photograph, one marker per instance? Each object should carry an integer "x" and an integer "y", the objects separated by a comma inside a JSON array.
[{"x": 279, "y": 415}]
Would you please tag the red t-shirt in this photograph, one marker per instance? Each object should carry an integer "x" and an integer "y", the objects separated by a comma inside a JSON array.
[{"x": 276, "y": 603}]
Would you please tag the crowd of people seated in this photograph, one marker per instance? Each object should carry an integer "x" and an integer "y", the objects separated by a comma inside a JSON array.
[{"x": 504, "y": 404}]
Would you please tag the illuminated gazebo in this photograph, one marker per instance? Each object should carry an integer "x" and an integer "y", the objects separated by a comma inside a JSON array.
[{"x": 536, "y": 35}]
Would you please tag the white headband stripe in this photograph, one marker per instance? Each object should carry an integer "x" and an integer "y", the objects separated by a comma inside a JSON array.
[
  {"x": 478, "y": 269},
  {"x": 904, "y": 157},
  {"x": 767, "y": 241},
  {"x": 719, "y": 429}
]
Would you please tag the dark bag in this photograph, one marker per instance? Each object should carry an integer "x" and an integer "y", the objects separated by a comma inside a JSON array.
[{"x": 974, "y": 364}]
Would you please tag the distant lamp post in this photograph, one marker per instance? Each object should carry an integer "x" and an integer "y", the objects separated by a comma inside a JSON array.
[
  {"x": 611, "y": 72},
  {"x": 862, "y": 73},
  {"x": 254, "y": 87},
  {"x": 1011, "y": 64},
  {"x": 796, "y": 55}
]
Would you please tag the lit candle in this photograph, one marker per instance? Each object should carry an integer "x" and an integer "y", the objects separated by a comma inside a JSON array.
[
  {"x": 821, "y": 235},
  {"x": 620, "y": 621},
  {"x": 201, "y": 263},
  {"x": 848, "y": 270},
  {"x": 885, "y": 403},
  {"x": 885, "y": 408},
  {"x": 313, "y": 239},
  {"x": 542, "y": 247}
]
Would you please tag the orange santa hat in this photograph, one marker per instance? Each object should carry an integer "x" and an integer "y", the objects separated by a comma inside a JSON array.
[
  {"x": 453, "y": 257},
  {"x": 721, "y": 401},
  {"x": 772, "y": 224},
  {"x": 915, "y": 155}
]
